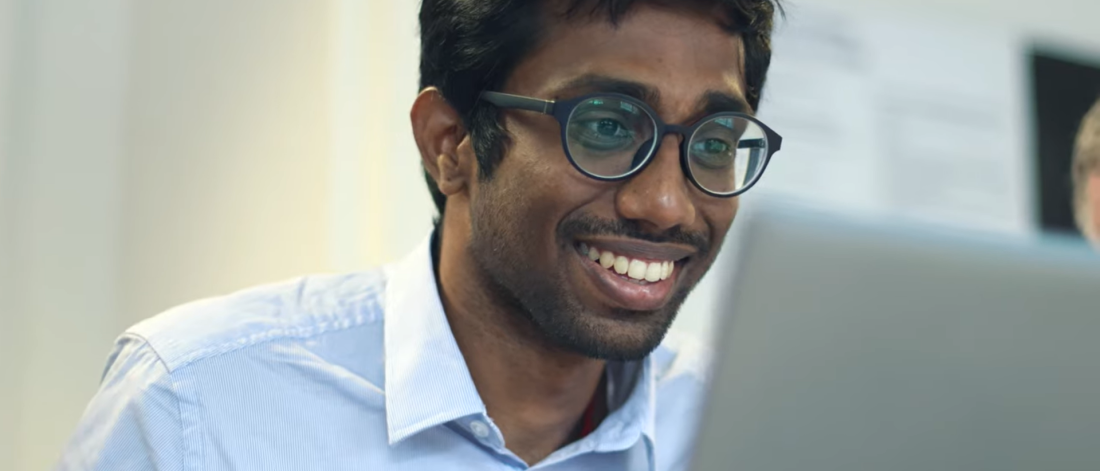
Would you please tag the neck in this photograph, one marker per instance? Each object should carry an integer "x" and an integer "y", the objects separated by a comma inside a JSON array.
[{"x": 534, "y": 392}]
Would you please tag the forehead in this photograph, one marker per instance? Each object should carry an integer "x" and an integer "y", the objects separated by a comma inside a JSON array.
[{"x": 681, "y": 54}]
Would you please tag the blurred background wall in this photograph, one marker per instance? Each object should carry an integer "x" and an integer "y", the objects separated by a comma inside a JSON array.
[
  {"x": 152, "y": 153},
  {"x": 9, "y": 385}
]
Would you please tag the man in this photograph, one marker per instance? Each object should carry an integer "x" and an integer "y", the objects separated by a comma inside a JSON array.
[
  {"x": 585, "y": 157},
  {"x": 1086, "y": 176}
]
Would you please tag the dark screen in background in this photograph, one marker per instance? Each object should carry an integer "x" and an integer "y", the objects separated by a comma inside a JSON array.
[{"x": 1064, "y": 90}]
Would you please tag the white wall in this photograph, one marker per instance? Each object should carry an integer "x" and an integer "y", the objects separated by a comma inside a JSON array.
[
  {"x": 68, "y": 74},
  {"x": 380, "y": 202},
  {"x": 160, "y": 152},
  {"x": 1061, "y": 21},
  {"x": 163, "y": 151},
  {"x": 9, "y": 390},
  {"x": 226, "y": 167}
]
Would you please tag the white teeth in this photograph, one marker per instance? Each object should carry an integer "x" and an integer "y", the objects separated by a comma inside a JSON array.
[
  {"x": 621, "y": 265},
  {"x": 653, "y": 271},
  {"x": 607, "y": 259},
  {"x": 637, "y": 269}
]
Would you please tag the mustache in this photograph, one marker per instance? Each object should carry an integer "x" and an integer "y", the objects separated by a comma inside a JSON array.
[{"x": 593, "y": 226}]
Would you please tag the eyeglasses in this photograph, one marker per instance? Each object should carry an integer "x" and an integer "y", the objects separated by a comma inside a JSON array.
[{"x": 612, "y": 137}]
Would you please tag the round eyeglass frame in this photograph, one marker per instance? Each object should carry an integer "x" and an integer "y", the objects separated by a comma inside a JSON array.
[{"x": 562, "y": 111}]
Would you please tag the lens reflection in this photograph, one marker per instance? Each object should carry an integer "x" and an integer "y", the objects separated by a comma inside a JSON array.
[
  {"x": 726, "y": 153},
  {"x": 606, "y": 136}
]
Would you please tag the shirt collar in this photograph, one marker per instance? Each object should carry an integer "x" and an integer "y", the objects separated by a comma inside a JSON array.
[
  {"x": 633, "y": 399},
  {"x": 639, "y": 407},
  {"x": 632, "y": 395},
  {"x": 427, "y": 381}
]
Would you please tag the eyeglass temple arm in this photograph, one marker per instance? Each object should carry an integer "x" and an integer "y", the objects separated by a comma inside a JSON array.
[
  {"x": 751, "y": 144},
  {"x": 505, "y": 100}
]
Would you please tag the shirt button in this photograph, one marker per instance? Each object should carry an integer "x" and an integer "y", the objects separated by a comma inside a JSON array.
[{"x": 480, "y": 429}]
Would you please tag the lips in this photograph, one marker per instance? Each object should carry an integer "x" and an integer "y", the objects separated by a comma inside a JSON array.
[{"x": 632, "y": 275}]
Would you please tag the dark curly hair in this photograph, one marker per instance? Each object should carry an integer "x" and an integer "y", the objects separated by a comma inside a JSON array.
[{"x": 468, "y": 46}]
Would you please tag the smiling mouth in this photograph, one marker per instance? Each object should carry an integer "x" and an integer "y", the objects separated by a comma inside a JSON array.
[
  {"x": 630, "y": 274},
  {"x": 638, "y": 271}
]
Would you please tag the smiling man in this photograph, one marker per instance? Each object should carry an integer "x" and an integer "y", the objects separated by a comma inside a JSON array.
[{"x": 585, "y": 157}]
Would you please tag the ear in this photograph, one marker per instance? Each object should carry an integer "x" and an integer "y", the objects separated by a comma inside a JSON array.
[{"x": 438, "y": 131}]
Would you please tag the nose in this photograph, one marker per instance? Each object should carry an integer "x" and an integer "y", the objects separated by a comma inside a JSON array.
[{"x": 659, "y": 197}]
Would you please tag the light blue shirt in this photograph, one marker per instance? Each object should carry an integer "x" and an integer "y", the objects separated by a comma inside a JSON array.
[{"x": 348, "y": 372}]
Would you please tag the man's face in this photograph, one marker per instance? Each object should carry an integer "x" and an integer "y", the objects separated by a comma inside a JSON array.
[{"x": 531, "y": 222}]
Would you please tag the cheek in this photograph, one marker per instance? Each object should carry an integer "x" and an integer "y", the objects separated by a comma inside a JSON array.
[
  {"x": 535, "y": 149},
  {"x": 542, "y": 172},
  {"x": 719, "y": 214},
  {"x": 527, "y": 197}
]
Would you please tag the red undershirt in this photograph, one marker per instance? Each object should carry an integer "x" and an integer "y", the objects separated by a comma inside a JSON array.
[
  {"x": 588, "y": 420},
  {"x": 591, "y": 417}
]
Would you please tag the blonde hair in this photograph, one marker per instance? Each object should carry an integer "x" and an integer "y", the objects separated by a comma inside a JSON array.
[{"x": 1086, "y": 161}]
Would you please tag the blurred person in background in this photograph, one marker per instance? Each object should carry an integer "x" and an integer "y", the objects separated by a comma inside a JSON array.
[
  {"x": 585, "y": 157},
  {"x": 1086, "y": 176}
]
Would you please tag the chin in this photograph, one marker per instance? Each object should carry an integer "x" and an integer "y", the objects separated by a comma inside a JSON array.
[{"x": 613, "y": 334}]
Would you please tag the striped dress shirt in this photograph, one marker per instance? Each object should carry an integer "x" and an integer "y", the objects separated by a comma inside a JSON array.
[{"x": 348, "y": 372}]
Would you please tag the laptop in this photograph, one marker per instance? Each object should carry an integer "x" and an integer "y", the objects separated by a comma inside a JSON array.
[{"x": 852, "y": 345}]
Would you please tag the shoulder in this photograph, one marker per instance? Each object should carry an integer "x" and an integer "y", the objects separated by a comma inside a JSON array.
[
  {"x": 135, "y": 405},
  {"x": 296, "y": 309}
]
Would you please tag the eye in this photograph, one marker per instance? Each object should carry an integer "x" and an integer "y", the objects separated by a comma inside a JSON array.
[
  {"x": 713, "y": 153},
  {"x": 609, "y": 128},
  {"x": 713, "y": 146},
  {"x": 602, "y": 133}
]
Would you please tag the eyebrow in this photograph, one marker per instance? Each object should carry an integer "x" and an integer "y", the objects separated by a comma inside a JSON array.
[
  {"x": 603, "y": 83},
  {"x": 713, "y": 101},
  {"x": 718, "y": 102}
]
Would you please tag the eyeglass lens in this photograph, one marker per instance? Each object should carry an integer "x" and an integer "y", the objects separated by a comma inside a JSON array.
[{"x": 609, "y": 137}]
